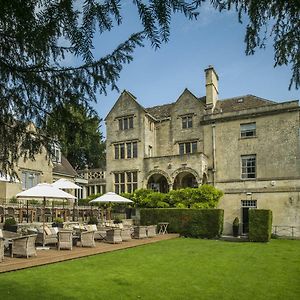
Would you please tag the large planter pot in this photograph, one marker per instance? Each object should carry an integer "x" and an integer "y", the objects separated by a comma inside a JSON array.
[
  {"x": 59, "y": 225},
  {"x": 235, "y": 231}
]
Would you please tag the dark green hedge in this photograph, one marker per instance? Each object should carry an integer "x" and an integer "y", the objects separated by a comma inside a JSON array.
[
  {"x": 260, "y": 225},
  {"x": 203, "y": 223}
]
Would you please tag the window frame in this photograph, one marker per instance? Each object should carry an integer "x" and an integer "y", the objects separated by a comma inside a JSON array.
[
  {"x": 125, "y": 123},
  {"x": 188, "y": 147},
  {"x": 187, "y": 122},
  {"x": 126, "y": 181},
  {"x": 247, "y": 133},
  {"x": 35, "y": 177},
  {"x": 126, "y": 150},
  {"x": 246, "y": 164}
]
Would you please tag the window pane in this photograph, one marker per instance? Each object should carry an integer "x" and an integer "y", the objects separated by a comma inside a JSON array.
[
  {"x": 122, "y": 151},
  {"x": 131, "y": 122},
  {"x": 248, "y": 130},
  {"x": 194, "y": 147},
  {"x": 116, "y": 178},
  {"x": 125, "y": 123},
  {"x": 134, "y": 176},
  {"x": 116, "y": 151},
  {"x": 122, "y": 177},
  {"x": 122, "y": 188},
  {"x": 128, "y": 146},
  {"x": 129, "y": 188},
  {"x": 128, "y": 176},
  {"x": 181, "y": 149},
  {"x": 187, "y": 148},
  {"x": 134, "y": 186},
  {"x": 184, "y": 122},
  {"x": 135, "y": 150},
  {"x": 190, "y": 122},
  {"x": 120, "y": 124}
]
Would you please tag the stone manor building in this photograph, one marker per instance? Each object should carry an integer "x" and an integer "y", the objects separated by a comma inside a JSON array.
[{"x": 246, "y": 146}]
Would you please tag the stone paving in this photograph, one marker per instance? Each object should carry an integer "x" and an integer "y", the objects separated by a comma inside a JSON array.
[{"x": 52, "y": 255}]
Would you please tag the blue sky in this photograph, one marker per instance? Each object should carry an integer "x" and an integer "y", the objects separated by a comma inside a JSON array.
[{"x": 159, "y": 77}]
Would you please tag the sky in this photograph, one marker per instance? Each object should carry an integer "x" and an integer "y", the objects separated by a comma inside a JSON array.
[{"x": 158, "y": 77}]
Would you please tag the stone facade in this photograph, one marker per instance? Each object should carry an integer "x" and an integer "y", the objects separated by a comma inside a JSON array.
[{"x": 246, "y": 146}]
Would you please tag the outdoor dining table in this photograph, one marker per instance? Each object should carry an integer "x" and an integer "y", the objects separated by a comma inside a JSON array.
[{"x": 163, "y": 227}]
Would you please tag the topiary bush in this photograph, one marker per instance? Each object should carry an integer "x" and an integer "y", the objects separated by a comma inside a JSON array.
[
  {"x": 198, "y": 223},
  {"x": 260, "y": 225}
]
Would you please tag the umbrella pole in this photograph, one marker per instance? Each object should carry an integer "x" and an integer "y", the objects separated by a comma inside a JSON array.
[
  {"x": 44, "y": 202},
  {"x": 27, "y": 210}
]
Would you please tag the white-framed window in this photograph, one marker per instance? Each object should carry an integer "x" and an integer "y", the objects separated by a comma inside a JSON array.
[
  {"x": 187, "y": 147},
  {"x": 249, "y": 203},
  {"x": 126, "y": 150},
  {"x": 56, "y": 153},
  {"x": 248, "y": 130},
  {"x": 30, "y": 179},
  {"x": 248, "y": 166},
  {"x": 125, "y": 123},
  {"x": 126, "y": 182},
  {"x": 187, "y": 121}
]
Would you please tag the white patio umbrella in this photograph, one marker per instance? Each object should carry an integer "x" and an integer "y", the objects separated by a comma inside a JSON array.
[
  {"x": 111, "y": 197},
  {"x": 66, "y": 184},
  {"x": 44, "y": 191}
]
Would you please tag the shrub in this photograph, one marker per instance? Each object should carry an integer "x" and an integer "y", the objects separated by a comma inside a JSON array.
[
  {"x": 58, "y": 220},
  {"x": 204, "y": 223},
  {"x": 93, "y": 220},
  {"x": 10, "y": 221},
  {"x": 205, "y": 196},
  {"x": 260, "y": 225}
]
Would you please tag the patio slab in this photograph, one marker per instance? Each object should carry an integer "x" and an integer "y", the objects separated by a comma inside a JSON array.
[{"x": 52, "y": 255}]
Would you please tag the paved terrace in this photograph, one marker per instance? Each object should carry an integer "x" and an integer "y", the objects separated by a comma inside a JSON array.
[{"x": 45, "y": 257}]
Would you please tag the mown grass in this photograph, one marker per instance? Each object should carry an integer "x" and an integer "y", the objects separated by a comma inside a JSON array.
[{"x": 174, "y": 269}]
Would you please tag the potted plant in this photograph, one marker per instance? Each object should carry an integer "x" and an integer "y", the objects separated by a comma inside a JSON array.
[
  {"x": 10, "y": 224},
  {"x": 58, "y": 222},
  {"x": 93, "y": 220},
  {"x": 235, "y": 227},
  {"x": 117, "y": 220}
]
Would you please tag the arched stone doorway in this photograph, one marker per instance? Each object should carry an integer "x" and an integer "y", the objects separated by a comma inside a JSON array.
[
  {"x": 158, "y": 183},
  {"x": 185, "y": 180}
]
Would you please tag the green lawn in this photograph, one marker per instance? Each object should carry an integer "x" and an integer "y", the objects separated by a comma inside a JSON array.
[{"x": 174, "y": 269}]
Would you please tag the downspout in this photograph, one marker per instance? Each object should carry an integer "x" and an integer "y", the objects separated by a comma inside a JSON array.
[{"x": 214, "y": 153}]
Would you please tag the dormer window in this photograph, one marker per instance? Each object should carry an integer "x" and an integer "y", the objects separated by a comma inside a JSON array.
[
  {"x": 56, "y": 153},
  {"x": 126, "y": 123},
  {"x": 187, "y": 121}
]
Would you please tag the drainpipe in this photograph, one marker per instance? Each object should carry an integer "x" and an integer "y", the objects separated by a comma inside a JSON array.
[{"x": 214, "y": 153}]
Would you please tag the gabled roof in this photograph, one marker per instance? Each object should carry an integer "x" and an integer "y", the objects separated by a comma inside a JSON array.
[
  {"x": 241, "y": 103},
  {"x": 160, "y": 111},
  {"x": 64, "y": 168}
]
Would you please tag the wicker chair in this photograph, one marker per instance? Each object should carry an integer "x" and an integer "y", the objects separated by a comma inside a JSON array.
[
  {"x": 113, "y": 236},
  {"x": 87, "y": 239},
  {"x": 2, "y": 214},
  {"x": 24, "y": 246},
  {"x": 151, "y": 230},
  {"x": 65, "y": 240},
  {"x": 139, "y": 232}
]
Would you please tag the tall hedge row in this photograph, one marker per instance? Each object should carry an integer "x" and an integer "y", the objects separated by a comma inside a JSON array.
[
  {"x": 203, "y": 223},
  {"x": 260, "y": 225}
]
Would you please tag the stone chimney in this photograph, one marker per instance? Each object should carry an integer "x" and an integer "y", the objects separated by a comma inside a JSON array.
[{"x": 212, "y": 89}]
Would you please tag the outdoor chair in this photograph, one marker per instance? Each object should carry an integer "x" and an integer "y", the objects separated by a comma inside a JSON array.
[
  {"x": 101, "y": 232},
  {"x": 87, "y": 239},
  {"x": 151, "y": 230},
  {"x": 50, "y": 236},
  {"x": 126, "y": 234},
  {"x": 139, "y": 232},
  {"x": 65, "y": 239},
  {"x": 113, "y": 236},
  {"x": 24, "y": 246}
]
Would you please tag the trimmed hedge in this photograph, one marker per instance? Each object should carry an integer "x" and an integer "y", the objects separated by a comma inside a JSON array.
[
  {"x": 198, "y": 223},
  {"x": 260, "y": 225}
]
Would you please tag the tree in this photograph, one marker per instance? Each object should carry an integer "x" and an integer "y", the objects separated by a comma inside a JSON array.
[
  {"x": 35, "y": 38},
  {"x": 80, "y": 137},
  {"x": 280, "y": 19}
]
